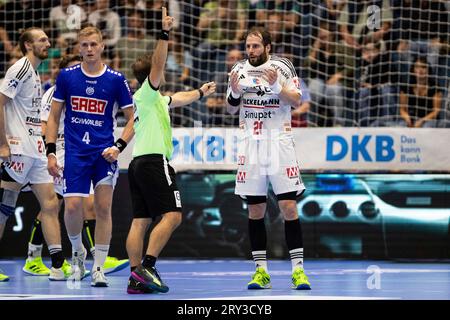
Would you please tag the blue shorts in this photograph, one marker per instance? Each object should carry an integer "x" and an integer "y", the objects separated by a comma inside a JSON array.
[{"x": 81, "y": 171}]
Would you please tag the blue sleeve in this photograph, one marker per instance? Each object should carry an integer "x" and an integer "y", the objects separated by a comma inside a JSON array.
[
  {"x": 124, "y": 98},
  {"x": 61, "y": 87}
]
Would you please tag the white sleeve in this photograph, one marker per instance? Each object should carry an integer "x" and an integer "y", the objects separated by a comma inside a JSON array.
[
  {"x": 291, "y": 81},
  {"x": 46, "y": 103},
  {"x": 16, "y": 74}
]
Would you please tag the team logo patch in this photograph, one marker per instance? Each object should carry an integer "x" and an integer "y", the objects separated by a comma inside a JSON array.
[
  {"x": 17, "y": 167},
  {"x": 292, "y": 172},
  {"x": 256, "y": 81},
  {"x": 241, "y": 176},
  {"x": 90, "y": 91}
]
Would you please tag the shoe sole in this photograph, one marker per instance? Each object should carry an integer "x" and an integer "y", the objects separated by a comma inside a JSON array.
[
  {"x": 302, "y": 287},
  {"x": 138, "y": 291},
  {"x": 150, "y": 286},
  {"x": 255, "y": 286},
  {"x": 4, "y": 280},
  {"x": 68, "y": 278},
  {"x": 99, "y": 284},
  {"x": 118, "y": 268}
]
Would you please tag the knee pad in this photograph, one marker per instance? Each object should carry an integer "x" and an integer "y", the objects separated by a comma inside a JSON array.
[
  {"x": 256, "y": 199},
  {"x": 8, "y": 204},
  {"x": 287, "y": 196}
]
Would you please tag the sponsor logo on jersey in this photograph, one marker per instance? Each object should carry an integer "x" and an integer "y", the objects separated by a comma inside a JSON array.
[
  {"x": 33, "y": 121},
  {"x": 240, "y": 177},
  {"x": 36, "y": 104},
  {"x": 268, "y": 103},
  {"x": 296, "y": 82},
  {"x": 91, "y": 81},
  {"x": 88, "y": 105},
  {"x": 292, "y": 172},
  {"x": 90, "y": 91},
  {"x": 34, "y": 133},
  {"x": 89, "y": 122},
  {"x": 258, "y": 115}
]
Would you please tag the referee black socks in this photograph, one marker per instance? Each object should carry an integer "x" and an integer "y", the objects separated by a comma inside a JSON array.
[{"x": 149, "y": 262}]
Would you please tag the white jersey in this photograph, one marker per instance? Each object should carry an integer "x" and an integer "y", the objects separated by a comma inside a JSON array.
[
  {"x": 23, "y": 123},
  {"x": 263, "y": 115},
  {"x": 46, "y": 105}
]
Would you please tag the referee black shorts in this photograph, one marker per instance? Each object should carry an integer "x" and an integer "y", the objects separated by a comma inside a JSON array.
[{"x": 153, "y": 186}]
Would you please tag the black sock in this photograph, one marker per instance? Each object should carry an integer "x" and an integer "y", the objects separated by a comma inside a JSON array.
[
  {"x": 89, "y": 233},
  {"x": 133, "y": 268},
  {"x": 57, "y": 259},
  {"x": 36, "y": 238},
  {"x": 149, "y": 261},
  {"x": 293, "y": 233},
  {"x": 257, "y": 234}
]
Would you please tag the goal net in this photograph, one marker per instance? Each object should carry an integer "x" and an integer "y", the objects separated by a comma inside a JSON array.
[{"x": 361, "y": 63}]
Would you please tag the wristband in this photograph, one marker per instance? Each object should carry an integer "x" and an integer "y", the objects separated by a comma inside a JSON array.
[
  {"x": 201, "y": 94},
  {"x": 51, "y": 148},
  {"x": 164, "y": 35},
  {"x": 276, "y": 87},
  {"x": 120, "y": 144}
]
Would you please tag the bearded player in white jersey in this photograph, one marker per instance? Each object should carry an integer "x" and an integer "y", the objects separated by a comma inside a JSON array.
[
  {"x": 22, "y": 148},
  {"x": 264, "y": 89}
]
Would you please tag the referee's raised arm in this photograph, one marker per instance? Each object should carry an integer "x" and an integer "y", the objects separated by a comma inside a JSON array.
[{"x": 160, "y": 55}]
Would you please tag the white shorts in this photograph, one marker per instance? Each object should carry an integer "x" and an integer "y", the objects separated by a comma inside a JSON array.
[
  {"x": 24, "y": 169},
  {"x": 264, "y": 161}
]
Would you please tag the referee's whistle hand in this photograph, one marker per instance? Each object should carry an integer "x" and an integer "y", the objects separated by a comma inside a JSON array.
[{"x": 52, "y": 166}]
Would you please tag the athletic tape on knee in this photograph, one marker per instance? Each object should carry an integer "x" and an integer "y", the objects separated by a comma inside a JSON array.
[{"x": 8, "y": 204}]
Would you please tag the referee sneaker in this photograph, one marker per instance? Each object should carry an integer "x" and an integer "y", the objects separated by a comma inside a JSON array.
[{"x": 153, "y": 187}]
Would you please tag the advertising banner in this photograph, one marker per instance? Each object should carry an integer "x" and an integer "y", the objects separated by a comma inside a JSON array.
[{"x": 319, "y": 149}]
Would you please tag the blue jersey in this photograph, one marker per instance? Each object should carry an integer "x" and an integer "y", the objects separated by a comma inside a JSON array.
[{"x": 91, "y": 106}]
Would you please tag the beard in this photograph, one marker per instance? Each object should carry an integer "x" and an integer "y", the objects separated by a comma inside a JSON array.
[
  {"x": 41, "y": 55},
  {"x": 262, "y": 58}
]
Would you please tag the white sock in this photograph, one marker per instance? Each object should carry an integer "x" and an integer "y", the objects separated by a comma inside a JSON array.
[
  {"x": 34, "y": 251},
  {"x": 101, "y": 252},
  {"x": 77, "y": 242},
  {"x": 93, "y": 252},
  {"x": 260, "y": 258},
  {"x": 296, "y": 258}
]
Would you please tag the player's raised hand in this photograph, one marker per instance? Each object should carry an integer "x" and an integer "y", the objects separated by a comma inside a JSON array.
[
  {"x": 234, "y": 83},
  {"x": 52, "y": 166},
  {"x": 271, "y": 76},
  {"x": 5, "y": 152},
  {"x": 167, "y": 21},
  {"x": 208, "y": 88}
]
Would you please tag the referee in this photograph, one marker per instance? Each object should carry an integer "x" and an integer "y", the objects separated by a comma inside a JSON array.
[{"x": 153, "y": 187}]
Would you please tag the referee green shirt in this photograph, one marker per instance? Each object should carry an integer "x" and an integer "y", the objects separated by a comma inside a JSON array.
[{"x": 153, "y": 133}]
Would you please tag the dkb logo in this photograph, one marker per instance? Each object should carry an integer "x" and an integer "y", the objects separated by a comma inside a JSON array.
[{"x": 338, "y": 147}]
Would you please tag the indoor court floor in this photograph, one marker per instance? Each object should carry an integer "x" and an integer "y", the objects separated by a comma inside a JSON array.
[{"x": 227, "y": 279}]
